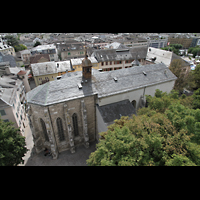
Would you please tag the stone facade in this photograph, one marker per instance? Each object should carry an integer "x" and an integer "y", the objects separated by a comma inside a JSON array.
[
  {"x": 85, "y": 110},
  {"x": 63, "y": 114}
]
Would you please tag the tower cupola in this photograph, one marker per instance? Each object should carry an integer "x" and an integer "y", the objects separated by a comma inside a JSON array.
[{"x": 86, "y": 67}]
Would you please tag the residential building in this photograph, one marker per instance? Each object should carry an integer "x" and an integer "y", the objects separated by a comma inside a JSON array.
[
  {"x": 77, "y": 63},
  {"x": 195, "y": 42},
  {"x": 23, "y": 75},
  {"x": 49, "y": 71},
  {"x": 132, "y": 42},
  {"x": 70, "y": 112},
  {"x": 157, "y": 43},
  {"x": 70, "y": 49},
  {"x": 184, "y": 41},
  {"x": 162, "y": 56},
  {"x": 29, "y": 43},
  {"x": 6, "y": 49},
  {"x": 113, "y": 59},
  {"x": 12, "y": 97},
  {"x": 38, "y": 58},
  {"x": 8, "y": 58},
  {"x": 46, "y": 49},
  {"x": 18, "y": 59},
  {"x": 115, "y": 45},
  {"x": 25, "y": 55}
]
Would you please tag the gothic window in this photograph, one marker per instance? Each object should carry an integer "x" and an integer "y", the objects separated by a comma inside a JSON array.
[
  {"x": 134, "y": 103},
  {"x": 60, "y": 129},
  {"x": 44, "y": 130},
  {"x": 75, "y": 124}
]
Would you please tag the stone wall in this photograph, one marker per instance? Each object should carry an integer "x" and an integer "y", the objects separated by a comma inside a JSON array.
[{"x": 86, "y": 117}]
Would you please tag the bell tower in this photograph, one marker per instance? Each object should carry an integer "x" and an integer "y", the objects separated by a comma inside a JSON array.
[{"x": 86, "y": 67}]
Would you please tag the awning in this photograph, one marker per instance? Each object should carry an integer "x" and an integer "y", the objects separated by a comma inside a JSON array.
[{"x": 29, "y": 76}]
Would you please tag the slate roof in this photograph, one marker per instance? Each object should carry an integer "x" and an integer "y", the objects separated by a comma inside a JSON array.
[
  {"x": 6, "y": 95},
  {"x": 8, "y": 58},
  {"x": 116, "y": 45},
  {"x": 78, "y": 61},
  {"x": 35, "y": 58},
  {"x": 50, "y": 67},
  {"x": 163, "y": 56},
  {"x": 113, "y": 111},
  {"x": 120, "y": 54},
  {"x": 102, "y": 83}
]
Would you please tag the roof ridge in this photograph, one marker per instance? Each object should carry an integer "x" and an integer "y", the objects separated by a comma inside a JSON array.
[{"x": 39, "y": 90}]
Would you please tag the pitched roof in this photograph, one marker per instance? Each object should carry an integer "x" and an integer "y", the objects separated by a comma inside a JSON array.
[
  {"x": 35, "y": 58},
  {"x": 78, "y": 61},
  {"x": 6, "y": 95},
  {"x": 8, "y": 58},
  {"x": 113, "y": 111},
  {"x": 50, "y": 67},
  {"x": 116, "y": 45},
  {"x": 120, "y": 54},
  {"x": 102, "y": 84},
  {"x": 161, "y": 55},
  {"x": 21, "y": 72}
]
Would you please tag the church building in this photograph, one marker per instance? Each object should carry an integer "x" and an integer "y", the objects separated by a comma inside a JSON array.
[{"x": 69, "y": 112}]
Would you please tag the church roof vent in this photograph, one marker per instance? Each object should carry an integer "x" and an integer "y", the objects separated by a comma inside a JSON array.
[
  {"x": 115, "y": 79},
  {"x": 79, "y": 86}
]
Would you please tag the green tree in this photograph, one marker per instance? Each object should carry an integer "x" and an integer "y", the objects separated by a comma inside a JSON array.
[
  {"x": 176, "y": 46},
  {"x": 144, "y": 141},
  {"x": 194, "y": 50},
  {"x": 173, "y": 47},
  {"x": 37, "y": 43},
  {"x": 156, "y": 136},
  {"x": 20, "y": 47},
  {"x": 195, "y": 76},
  {"x": 12, "y": 41},
  {"x": 196, "y": 99},
  {"x": 12, "y": 145}
]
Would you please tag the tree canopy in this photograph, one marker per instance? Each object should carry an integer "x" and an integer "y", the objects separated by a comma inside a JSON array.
[
  {"x": 36, "y": 44},
  {"x": 14, "y": 42},
  {"x": 167, "y": 132},
  {"x": 173, "y": 47},
  {"x": 12, "y": 145},
  {"x": 194, "y": 50}
]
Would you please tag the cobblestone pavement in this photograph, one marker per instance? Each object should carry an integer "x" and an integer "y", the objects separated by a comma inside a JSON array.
[{"x": 65, "y": 158}]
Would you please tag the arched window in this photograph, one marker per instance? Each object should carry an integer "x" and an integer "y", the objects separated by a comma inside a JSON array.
[
  {"x": 75, "y": 124},
  {"x": 44, "y": 130},
  {"x": 60, "y": 129},
  {"x": 134, "y": 103}
]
